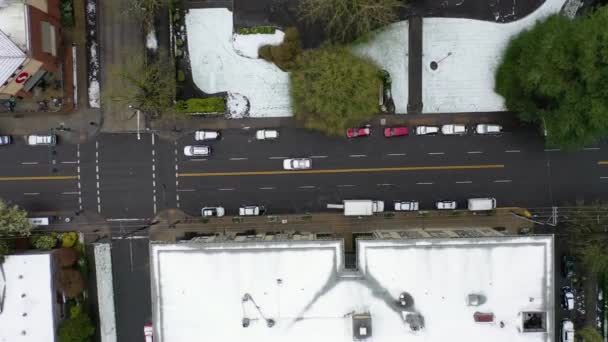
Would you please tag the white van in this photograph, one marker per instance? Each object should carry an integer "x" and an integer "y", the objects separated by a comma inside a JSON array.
[
  {"x": 480, "y": 204},
  {"x": 39, "y": 221}
]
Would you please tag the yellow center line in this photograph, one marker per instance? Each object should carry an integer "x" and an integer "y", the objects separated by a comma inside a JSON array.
[
  {"x": 37, "y": 178},
  {"x": 602, "y": 162},
  {"x": 377, "y": 169}
]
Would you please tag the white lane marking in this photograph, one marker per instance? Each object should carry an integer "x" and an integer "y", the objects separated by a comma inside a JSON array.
[
  {"x": 591, "y": 148},
  {"x": 436, "y": 153},
  {"x": 267, "y": 188},
  {"x": 464, "y": 182},
  {"x": 238, "y": 158},
  {"x": 503, "y": 181},
  {"x": 604, "y": 177},
  {"x": 474, "y": 152},
  {"x": 277, "y": 158},
  {"x": 29, "y": 163},
  {"x": 70, "y": 193},
  {"x": 385, "y": 184},
  {"x": 201, "y": 159},
  {"x": 318, "y": 156},
  {"x": 512, "y": 151},
  {"x": 225, "y": 189},
  {"x": 307, "y": 187},
  {"x": 552, "y": 149},
  {"x": 346, "y": 186},
  {"x": 69, "y": 162},
  {"x": 424, "y": 183},
  {"x": 395, "y": 154},
  {"x": 184, "y": 190},
  {"x": 152, "y": 139},
  {"x": 357, "y": 155},
  {"x": 31, "y": 193}
]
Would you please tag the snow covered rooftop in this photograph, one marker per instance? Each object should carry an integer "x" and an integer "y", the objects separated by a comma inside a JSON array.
[
  {"x": 27, "y": 313},
  {"x": 299, "y": 290}
]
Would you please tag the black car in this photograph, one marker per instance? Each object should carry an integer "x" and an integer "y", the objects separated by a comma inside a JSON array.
[
  {"x": 5, "y": 139},
  {"x": 568, "y": 266}
]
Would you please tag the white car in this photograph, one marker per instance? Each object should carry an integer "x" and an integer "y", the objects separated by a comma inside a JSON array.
[
  {"x": 266, "y": 134},
  {"x": 251, "y": 210},
  {"x": 197, "y": 150},
  {"x": 297, "y": 164},
  {"x": 148, "y": 332},
  {"x": 488, "y": 129},
  {"x": 567, "y": 298},
  {"x": 406, "y": 206},
  {"x": 567, "y": 331},
  {"x": 426, "y": 130},
  {"x": 453, "y": 129},
  {"x": 37, "y": 140},
  {"x": 213, "y": 211},
  {"x": 445, "y": 205},
  {"x": 206, "y": 135}
]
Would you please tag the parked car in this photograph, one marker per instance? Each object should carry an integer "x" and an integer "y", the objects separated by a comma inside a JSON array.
[
  {"x": 396, "y": 131},
  {"x": 266, "y": 134},
  {"x": 427, "y": 130},
  {"x": 568, "y": 266},
  {"x": 41, "y": 139},
  {"x": 452, "y": 129},
  {"x": 358, "y": 132},
  {"x": 207, "y": 135},
  {"x": 446, "y": 205},
  {"x": 488, "y": 129},
  {"x": 297, "y": 164},
  {"x": 197, "y": 150},
  {"x": 252, "y": 210},
  {"x": 567, "y": 298},
  {"x": 148, "y": 332},
  {"x": 213, "y": 211},
  {"x": 5, "y": 139},
  {"x": 406, "y": 206},
  {"x": 567, "y": 331}
]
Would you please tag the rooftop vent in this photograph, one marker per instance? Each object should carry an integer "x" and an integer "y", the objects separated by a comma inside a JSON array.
[
  {"x": 534, "y": 321},
  {"x": 362, "y": 326},
  {"x": 413, "y": 319},
  {"x": 475, "y": 299},
  {"x": 483, "y": 317}
]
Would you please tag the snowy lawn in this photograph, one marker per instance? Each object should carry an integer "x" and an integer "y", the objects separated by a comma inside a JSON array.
[{"x": 217, "y": 67}]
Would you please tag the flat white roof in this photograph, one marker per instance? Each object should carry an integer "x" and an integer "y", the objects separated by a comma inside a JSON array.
[
  {"x": 206, "y": 290},
  {"x": 14, "y": 22},
  {"x": 27, "y": 314}
]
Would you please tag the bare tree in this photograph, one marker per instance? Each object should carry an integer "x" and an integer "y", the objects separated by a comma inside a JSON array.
[{"x": 347, "y": 20}]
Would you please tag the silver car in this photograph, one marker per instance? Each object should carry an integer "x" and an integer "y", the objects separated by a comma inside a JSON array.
[
  {"x": 426, "y": 130},
  {"x": 41, "y": 140},
  {"x": 297, "y": 164},
  {"x": 213, "y": 211},
  {"x": 206, "y": 135},
  {"x": 453, "y": 129},
  {"x": 251, "y": 210},
  {"x": 266, "y": 134},
  {"x": 197, "y": 150},
  {"x": 5, "y": 139},
  {"x": 406, "y": 206},
  {"x": 445, "y": 205},
  {"x": 488, "y": 129}
]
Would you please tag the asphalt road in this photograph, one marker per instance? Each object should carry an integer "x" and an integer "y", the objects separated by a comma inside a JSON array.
[{"x": 123, "y": 177}]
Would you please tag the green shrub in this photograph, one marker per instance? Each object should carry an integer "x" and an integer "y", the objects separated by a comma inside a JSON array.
[
  {"x": 68, "y": 239},
  {"x": 284, "y": 54},
  {"x": 66, "y": 8},
  {"x": 181, "y": 76},
  {"x": 179, "y": 42},
  {"x": 207, "y": 105},
  {"x": 44, "y": 242},
  {"x": 179, "y": 53},
  {"x": 77, "y": 329},
  {"x": 257, "y": 30}
]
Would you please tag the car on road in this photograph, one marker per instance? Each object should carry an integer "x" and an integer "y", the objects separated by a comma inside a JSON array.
[
  {"x": 213, "y": 211},
  {"x": 5, "y": 139},
  {"x": 453, "y": 129},
  {"x": 446, "y": 205},
  {"x": 567, "y": 298},
  {"x": 148, "y": 332},
  {"x": 197, "y": 150},
  {"x": 396, "y": 131},
  {"x": 207, "y": 135},
  {"x": 568, "y": 266},
  {"x": 252, "y": 210},
  {"x": 358, "y": 132},
  {"x": 297, "y": 164},
  {"x": 406, "y": 206},
  {"x": 427, "y": 130},
  {"x": 266, "y": 134},
  {"x": 488, "y": 129},
  {"x": 41, "y": 139},
  {"x": 567, "y": 331}
]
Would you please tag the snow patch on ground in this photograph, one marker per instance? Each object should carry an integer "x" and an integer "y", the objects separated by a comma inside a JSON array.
[
  {"x": 94, "y": 98},
  {"x": 151, "y": 42},
  {"x": 571, "y": 7},
  {"x": 238, "y": 106},
  {"x": 93, "y": 67},
  {"x": 216, "y": 67},
  {"x": 247, "y": 45},
  {"x": 105, "y": 291},
  {"x": 388, "y": 50}
]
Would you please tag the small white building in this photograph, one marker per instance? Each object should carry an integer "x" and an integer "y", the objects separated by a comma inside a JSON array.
[
  {"x": 486, "y": 288},
  {"x": 29, "y": 309}
]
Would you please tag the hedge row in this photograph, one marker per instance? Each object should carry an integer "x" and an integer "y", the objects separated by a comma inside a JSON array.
[
  {"x": 208, "y": 105},
  {"x": 257, "y": 29}
]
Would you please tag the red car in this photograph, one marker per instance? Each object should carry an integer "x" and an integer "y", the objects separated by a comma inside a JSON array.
[
  {"x": 358, "y": 132},
  {"x": 396, "y": 131}
]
